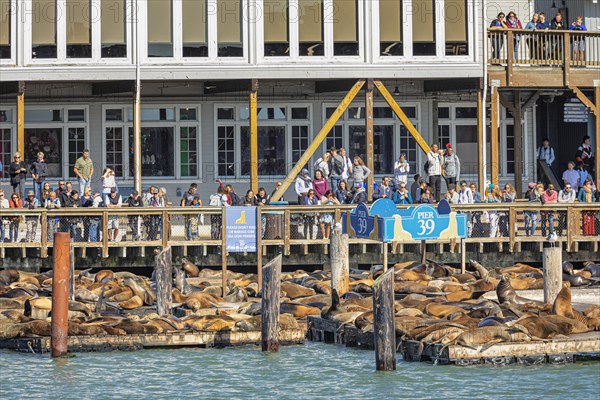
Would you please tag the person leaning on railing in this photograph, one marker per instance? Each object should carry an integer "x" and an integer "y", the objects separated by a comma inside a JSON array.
[
  {"x": 15, "y": 202},
  {"x": 578, "y": 41},
  {"x": 543, "y": 45},
  {"x": 74, "y": 202},
  {"x": 557, "y": 46},
  {"x": 565, "y": 196},
  {"x": 497, "y": 38},
  {"x": 587, "y": 194},
  {"x": 52, "y": 203},
  {"x": 532, "y": 40},
  {"x": 550, "y": 196},
  {"x": 31, "y": 203},
  {"x": 493, "y": 196},
  {"x": 512, "y": 22},
  {"x": 87, "y": 200}
]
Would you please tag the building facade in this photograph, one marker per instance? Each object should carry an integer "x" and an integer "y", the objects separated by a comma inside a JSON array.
[{"x": 78, "y": 61}]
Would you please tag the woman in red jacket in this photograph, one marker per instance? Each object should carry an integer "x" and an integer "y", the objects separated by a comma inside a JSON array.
[
  {"x": 14, "y": 202},
  {"x": 549, "y": 196}
]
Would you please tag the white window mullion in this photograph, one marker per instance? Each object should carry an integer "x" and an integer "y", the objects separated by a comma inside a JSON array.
[
  {"x": 365, "y": 30},
  {"x": 293, "y": 16},
  {"x": 177, "y": 150},
  {"x": 440, "y": 29},
  {"x": 328, "y": 18},
  {"x": 96, "y": 30},
  {"x": 257, "y": 19},
  {"x": 61, "y": 29},
  {"x": 177, "y": 24},
  {"x": 472, "y": 37},
  {"x": 245, "y": 42},
  {"x": 130, "y": 25},
  {"x": 407, "y": 28},
  {"x": 140, "y": 14},
  {"x": 211, "y": 24}
]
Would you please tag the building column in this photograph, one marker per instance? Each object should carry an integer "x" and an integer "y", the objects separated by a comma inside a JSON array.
[
  {"x": 369, "y": 137},
  {"x": 517, "y": 115},
  {"x": 254, "y": 136},
  {"x": 137, "y": 137},
  {"x": 494, "y": 141},
  {"x": 21, "y": 123},
  {"x": 480, "y": 141}
]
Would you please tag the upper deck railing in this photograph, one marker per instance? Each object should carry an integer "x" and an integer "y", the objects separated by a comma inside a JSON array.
[
  {"x": 101, "y": 228},
  {"x": 543, "y": 48}
]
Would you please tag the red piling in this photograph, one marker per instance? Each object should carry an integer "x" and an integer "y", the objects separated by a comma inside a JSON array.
[{"x": 60, "y": 294}]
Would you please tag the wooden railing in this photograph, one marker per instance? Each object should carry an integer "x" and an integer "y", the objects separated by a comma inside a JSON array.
[
  {"x": 543, "y": 48},
  {"x": 505, "y": 224}
]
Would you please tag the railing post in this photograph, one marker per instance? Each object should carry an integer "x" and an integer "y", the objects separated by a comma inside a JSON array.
[
  {"x": 44, "y": 237},
  {"x": 572, "y": 216},
  {"x": 512, "y": 224},
  {"x": 286, "y": 236},
  {"x": 510, "y": 56},
  {"x": 566, "y": 57},
  {"x": 165, "y": 229},
  {"x": 104, "y": 234},
  {"x": 223, "y": 252}
]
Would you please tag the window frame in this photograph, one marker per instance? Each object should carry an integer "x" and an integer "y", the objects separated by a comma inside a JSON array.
[
  {"x": 64, "y": 125},
  {"x": 13, "y": 10},
  {"x": 13, "y": 136},
  {"x": 176, "y": 124},
  {"x": 328, "y": 35},
  {"x": 440, "y": 36},
  {"x": 346, "y": 122},
  {"x": 238, "y": 123},
  {"x": 211, "y": 32},
  {"x": 26, "y": 13}
]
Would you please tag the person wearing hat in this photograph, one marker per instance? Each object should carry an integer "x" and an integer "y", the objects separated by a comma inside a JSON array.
[
  {"x": 451, "y": 167},
  {"x": 358, "y": 195},
  {"x": 31, "y": 203},
  {"x": 303, "y": 185},
  {"x": 18, "y": 173}
]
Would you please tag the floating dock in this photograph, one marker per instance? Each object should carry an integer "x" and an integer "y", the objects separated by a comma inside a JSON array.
[
  {"x": 97, "y": 343},
  {"x": 555, "y": 351}
]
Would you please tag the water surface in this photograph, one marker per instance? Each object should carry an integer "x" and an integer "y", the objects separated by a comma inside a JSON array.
[{"x": 310, "y": 371}]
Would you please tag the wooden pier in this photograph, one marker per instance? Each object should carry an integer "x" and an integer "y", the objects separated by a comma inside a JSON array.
[
  {"x": 96, "y": 343},
  {"x": 555, "y": 351}
]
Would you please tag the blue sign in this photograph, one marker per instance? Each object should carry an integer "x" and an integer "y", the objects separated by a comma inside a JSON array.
[
  {"x": 390, "y": 224},
  {"x": 240, "y": 229},
  {"x": 359, "y": 223}
]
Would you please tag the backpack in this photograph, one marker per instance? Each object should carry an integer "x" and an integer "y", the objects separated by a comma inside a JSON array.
[
  {"x": 427, "y": 166},
  {"x": 317, "y": 164},
  {"x": 215, "y": 200},
  {"x": 337, "y": 166}
]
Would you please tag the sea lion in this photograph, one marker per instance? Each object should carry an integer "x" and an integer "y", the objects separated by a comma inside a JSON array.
[
  {"x": 518, "y": 269},
  {"x": 408, "y": 275},
  {"x": 506, "y": 294},
  {"x": 237, "y": 295},
  {"x": 122, "y": 296},
  {"x": 82, "y": 294},
  {"x": 542, "y": 328},
  {"x": 189, "y": 267},
  {"x": 140, "y": 289},
  {"x": 200, "y": 300},
  {"x": 10, "y": 304},
  {"x": 487, "y": 335},
  {"x": 562, "y": 306},
  {"x": 15, "y": 315},
  {"x": 593, "y": 268},
  {"x": 253, "y": 324},
  {"x": 132, "y": 303},
  {"x": 412, "y": 287},
  {"x": 567, "y": 268},
  {"x": 298, "y": 310},
  {"x": 442, "y": 310},
  {"x": 481, "y": 270},
  {"x": 8, "y": 276},
  {"x": 182, "y": 284},
  {"x": 104, "y": 275},
  {"x": 575, "y": 280},
  {"x": 36, "y": 327},
  {"x": 76, "y": 329},
  {"x": 10, "y": 329},
  {"x": 576, "y": 326},
  {"x": 295, "y": 291}
]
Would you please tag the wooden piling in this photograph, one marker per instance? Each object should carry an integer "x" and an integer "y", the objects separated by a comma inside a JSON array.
[
  {"x": 423, "y": 251},
  {"x": 463, "y": 256},
  {"x": 59, "y": 326},
  {"x": 552, "y": 258},
  {"x": 163, "y": 271},
  {"x": 385, "y": 333},
  {"x": 72, "y": 272},
  {"x": 271, "y": 286},
  {"x": 338, "y": 256}
]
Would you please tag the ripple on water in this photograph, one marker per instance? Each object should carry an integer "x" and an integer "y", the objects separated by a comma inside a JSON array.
[{"x": 311, "y": 371}]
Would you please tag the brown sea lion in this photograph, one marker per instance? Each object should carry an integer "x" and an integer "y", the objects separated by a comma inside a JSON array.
[
  {"x": 542, "y": 328},
  {"x": 35, "y": 327},
  {"x": 440, "y": 310},
  {"x": 12, "y": 304},
  {"x": 132, "y": 303},
  {"x": 408, "y": 275},
  {"x": 8, "y": 276},
  {"x": 295, "y": 291},
  {"x": 518, "y": 268},
  {"x": 199, "y": 300},
  {"x": 317, "y": 298},
  {"x": 409, "y": 312},
  {"x": 236, "y": 295},
  {"x": 298, "y": 310},
  {"x": 10, "y": 329},
  {"x": 189, "y": 267},
  {"x": 562, "y": 306},
  {"x": 521, "y": 283},
  {"x": 461, "y": 295},
  {"x": 506, "y": 294},
  {"x": 412, "y": 287},
  {"x": 76, "y": 329},
  {"x": 14, "y": 315},
  {"x": 487, "y": 335},
  {"x": 104, "y": 274},
  {"x": 576, "y": 326}
]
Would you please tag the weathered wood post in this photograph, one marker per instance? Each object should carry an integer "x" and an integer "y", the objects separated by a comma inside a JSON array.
[
  {"x": 552, "y": 258},
  {"x": 59, "y": 327},
  {"x": 72, "y": 272},
  {"x": 385, "y": 332},
  {"x": 463, "y": 256},
  {"x": 271, "y": 286},
  {"x": 163, "y": 272},
  {"x": 423, "y": 251},
  {"x": 338, "y": 256}
]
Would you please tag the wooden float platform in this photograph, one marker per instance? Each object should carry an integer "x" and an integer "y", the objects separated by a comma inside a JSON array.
[
  {"x": 555, "y": 351},
  {"x": 100, "y": 343}
]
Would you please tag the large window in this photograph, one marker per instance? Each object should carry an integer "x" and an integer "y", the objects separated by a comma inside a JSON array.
[
  {"x": 283, "y": 136},
  {"x": 195, "y": 43},
  {"x": 160, "y": 31},
  {"x": 310, "y": 27},
  {"x": 6, "y": 11},
  {"x": 59, "y": 133},
  {"x": 423, "y": 21},
  {"x": 390, "y": 28},
  {"x": 6, "y": 129},
  {"x": 277, "y": 41},
  {"x": 345, "y": 28},
  {"x": 169, "y": 142},
  {"x": 43, "y": 29},
  {"x": 455, "y": 19},
  {"x": 112, "y": 30},
  {"x": 229, "y": 28},
  {"x": 390, "y": 137},
  {"x": 458, "y": 126},
  {"x": 79, "y": 28}
]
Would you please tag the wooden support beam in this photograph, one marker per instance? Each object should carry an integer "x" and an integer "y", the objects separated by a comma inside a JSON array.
[
  {"x": 137, "y": 137},
  {"x": 566, "y": 42},
  {"x": 494, "y": 145},
  {"x": 316, "y": 143},
  {"x": 369, "y": 137},
  {"x": 510, "y": 57},
  {"x": 402, "y": 116},
  {"x": 21, "y": 123},
  {"x": 480, "y": 133},
  {"x": 506, "y": 103},
  {"x": 254, "y": 135},
  {"x": 584, "y": 99},
  {"x": 531, "y": 100},
  {"x": 518, "y": 130}
]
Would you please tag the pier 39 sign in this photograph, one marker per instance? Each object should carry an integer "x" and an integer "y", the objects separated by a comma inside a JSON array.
[{"x": 385, "y": 222}]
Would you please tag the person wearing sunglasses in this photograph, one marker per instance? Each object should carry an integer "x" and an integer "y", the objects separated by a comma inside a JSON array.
[
  {"x": 14, "y": 202},
  {"x": 3, "y": 204},
  {"x": 18, "y": 173}
]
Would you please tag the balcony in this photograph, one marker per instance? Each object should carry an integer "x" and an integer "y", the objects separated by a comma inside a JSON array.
[{"x": 537, "y": 59}]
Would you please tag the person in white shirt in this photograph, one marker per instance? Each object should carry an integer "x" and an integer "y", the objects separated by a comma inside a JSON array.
[
  {"x": 545, "y": 152},
  {"x": 465, "y": 195},
  {"x": 303, "y": 185},
  {"x": 434, "y": 170},
  {"x": 567, "y": 195},
  {"x": 347, "y": 165},
  {"x": 401, "y": 170}
]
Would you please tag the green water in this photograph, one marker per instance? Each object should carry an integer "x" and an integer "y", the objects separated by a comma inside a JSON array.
[{"x": 311, "y": 371}]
